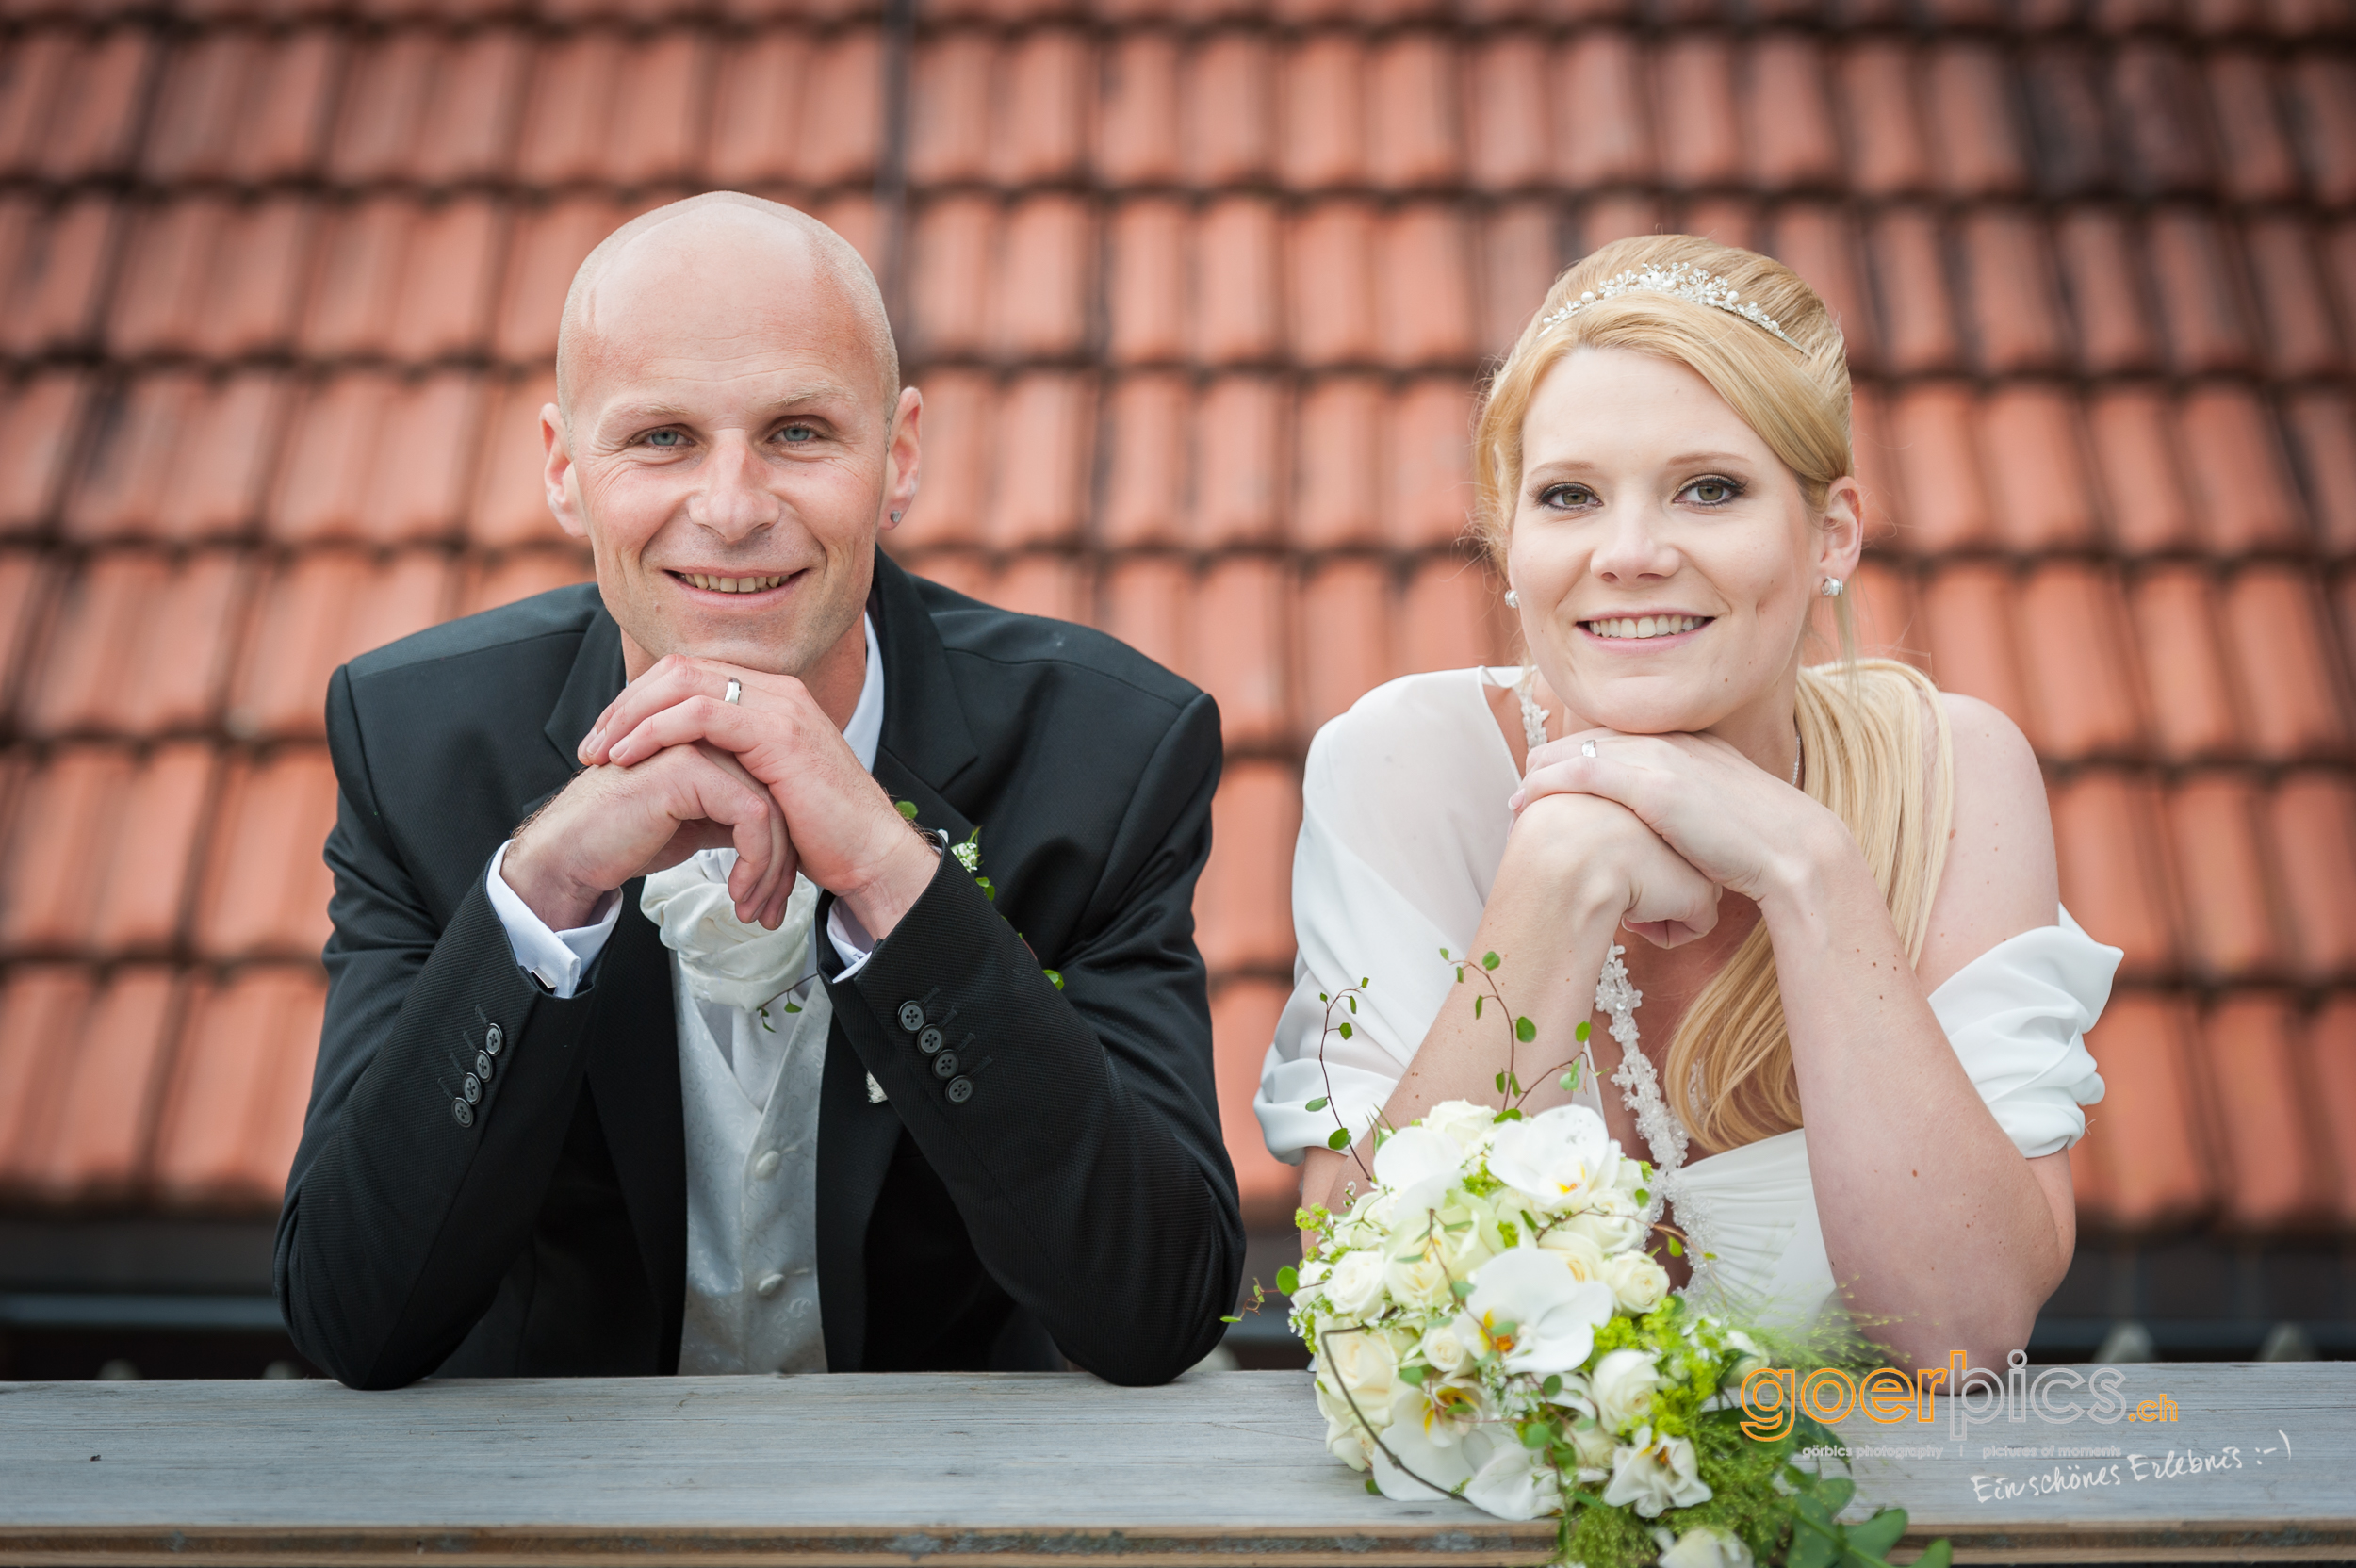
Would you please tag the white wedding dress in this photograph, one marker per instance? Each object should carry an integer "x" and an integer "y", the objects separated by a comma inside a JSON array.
[{"x": 1403, "y": 825}]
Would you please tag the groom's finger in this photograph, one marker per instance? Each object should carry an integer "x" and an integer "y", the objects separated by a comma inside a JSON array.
[{"x": 673, "y": 680}]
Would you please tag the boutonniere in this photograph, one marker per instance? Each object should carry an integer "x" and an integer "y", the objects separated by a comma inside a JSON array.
[{"x": 967, "y": 853}]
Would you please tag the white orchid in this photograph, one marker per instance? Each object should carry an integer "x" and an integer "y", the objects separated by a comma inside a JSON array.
[
  {"x": 1515, "y": 1483},
  {"x": 1706, "y": 1546},
  {"x": 1427, "y": 1457},
  {"x": 1419, "y": 1165},
  {"x": 1527, "y": 1308},
  {"x": 1654, "y": 1474},
  {"x": 1558, "y": 1159}
]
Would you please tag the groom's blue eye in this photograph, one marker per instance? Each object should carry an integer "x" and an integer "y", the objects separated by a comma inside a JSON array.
[{"x": 665, "y": 438}]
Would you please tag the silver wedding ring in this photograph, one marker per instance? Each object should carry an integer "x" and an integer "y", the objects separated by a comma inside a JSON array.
[
  {"x": 1586, "y": 748},
  {"x": 736, "y": 689}
]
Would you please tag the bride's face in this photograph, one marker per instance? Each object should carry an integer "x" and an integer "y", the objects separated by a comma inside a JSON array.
[{"x": 1664, "y": 557}]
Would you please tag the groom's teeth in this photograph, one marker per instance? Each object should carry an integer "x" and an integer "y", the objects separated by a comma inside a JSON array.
[
  {"x": 1640, "y": 626},
  {"x": 733, "y": 585}
]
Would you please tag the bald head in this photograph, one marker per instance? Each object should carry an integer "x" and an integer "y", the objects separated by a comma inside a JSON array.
[{"x": 728, "y": 244}]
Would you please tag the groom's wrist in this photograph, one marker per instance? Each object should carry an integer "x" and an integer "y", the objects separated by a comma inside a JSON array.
[
  {"x": 563, "y": 903},
  {"x": 900, "y": 879}
]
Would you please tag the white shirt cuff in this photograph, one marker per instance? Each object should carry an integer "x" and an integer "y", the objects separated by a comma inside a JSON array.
[
  {"x": 852, "y": 944},
  {"x": 555, "y": 958}
]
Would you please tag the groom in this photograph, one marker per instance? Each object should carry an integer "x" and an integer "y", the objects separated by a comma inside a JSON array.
[{"x": 836, "y": 1005}]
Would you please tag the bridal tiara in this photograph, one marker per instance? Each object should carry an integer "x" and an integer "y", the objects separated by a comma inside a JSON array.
[{"x": 1685, "y": 281}]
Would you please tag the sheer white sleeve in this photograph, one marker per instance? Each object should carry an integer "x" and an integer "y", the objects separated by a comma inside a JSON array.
[
  {"x": 2017, "y": 1015},
  {"x": 1403, "y": 824}
]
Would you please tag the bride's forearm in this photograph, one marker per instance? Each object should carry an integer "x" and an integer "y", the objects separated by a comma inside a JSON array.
[{"x": 1941, "y": 1236}]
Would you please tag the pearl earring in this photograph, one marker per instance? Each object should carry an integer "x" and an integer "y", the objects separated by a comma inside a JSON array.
[
  {"x": 1513, "y": 598},
  {"x": 1830, "y": 588}
]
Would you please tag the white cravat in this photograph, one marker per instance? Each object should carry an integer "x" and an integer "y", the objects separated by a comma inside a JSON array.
[{"x": 748, "y": 1090}]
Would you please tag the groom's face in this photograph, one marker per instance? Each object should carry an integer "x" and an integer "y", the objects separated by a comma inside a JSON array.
[
  {"x": 729, "y": 444},
  {"x": 1665, "y": 559}
]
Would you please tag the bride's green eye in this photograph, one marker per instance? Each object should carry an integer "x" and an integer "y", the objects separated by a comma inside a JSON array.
[
  {"x": 1566, "y": 496},
  {"x": 1714, "y": 492}
]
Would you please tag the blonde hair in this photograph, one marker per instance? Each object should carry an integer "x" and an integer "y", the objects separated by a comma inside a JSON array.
[{"x": 1873, "y": 732}]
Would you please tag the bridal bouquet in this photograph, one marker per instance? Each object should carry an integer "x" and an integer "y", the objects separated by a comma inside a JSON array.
[{"x": 1486, "y": 1323}]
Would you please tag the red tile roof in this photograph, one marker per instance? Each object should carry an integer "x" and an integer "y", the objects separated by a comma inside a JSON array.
[{"x": 1197, "y": 292}]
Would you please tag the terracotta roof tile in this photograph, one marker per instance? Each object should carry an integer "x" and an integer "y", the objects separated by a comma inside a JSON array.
[
  {"x": 2287, "y": 286},
  {"x": 2043, "y": 497},
  {"x": 1520, "y": 252},
  {"x": 1049, "y": 418},
  {"x": 1788, "y": 125},
  {"x": 98, "y": 1143},
  {"x": 2115, "y": 876},
  {"x": 1047, "y": 89},
  {"x": 265, "y": 886},
  {"x": 474, "y": 107},
  {"x": 2195, "y": 711},
  {"x": 2198, "y": 303},
  {"x": 2322, "y": 92},
  {"x": 1424, "y": 293},
  {"x": 842, "y": 116},
  {"x": 1343, "y": 624},
  {"x": 1230, "y": 111},
  {"x": 510, "y": 503},
  {"x": 1331, "y": 306},
  {"x": 442, "y": 298},
  {"x": 964, "y": 571},
  {"x": 51, "y": 295},
  {"x": 1145, "y": 495},
  {"x": 758, "y": 98},
  {"x": 1322, "y": 102},
  {"x": 2229, "y": 916},
  {"x": 1339, "y": 496},
  {"x": 1816, "y": 241},
  {"x": 1873, "y": 453},
  {"x": 1415, "y": 140},
  {"x": 1617, "y": 215},
  {"x": 1429, "y": 451},
  {"x": 1916, "y": 314},
  {"x": 24, "y": 584},
  {"x": 2073, "y": 617},
  {"x": 255, "y": 281},
  {"x": 2331, "y": 1063},
  {"x": 2146, "y": 1132},
  {"x": 1883, "y": 614},
  {"x": 1039, "y": 583},
  {"x": 2310, "y": 818},
  {"x": 1237, "y": 287},
  {"x": 41, "y": 416},
  {"x": 383, "y": 105},
  {"x": 1507, "y": 109},
  {"x": 1040, "y": 308},
  {"x": 577, "y": 98},
  {"x": 1138, "y": 111},
  {"x": 94, "y": 110},
  {"x": 321, "y": 608},
  {"x": 1244, "y": 901},
  {"x": 1727, "y": 220},
  {"x": 351, "y": 469},
  {"x": 2158, "y": 101},
  {"x": 2277, "y": 1178},
  {"x": 1602, "y": 130},
  {"x": 2101, "y": 270},
  {"x": 144, "y": 871},
  {"x": 1967, "y": 610},
  {"x": 2234, "y": 456},
  {"x": 2009, "y": 291},
  {"x": 1879, "y": 91},
  {"x": 233, "y": 1111},
  {"x": 1702, "y": 142},
  {"x": 2072, "y": 123},
  {"x": 949, "y": 107},
  {"x": 655, "y": 130},
  {"x": 2256, "y": 162},
  {"x": 38, "y": 59},
  {"x": 1149, "y": 602},
  {"x": 39, "y": 1004},
  {"x": 959, "y": 416},
  {"x": 2339, "y": 261},
  {"x": 546, "y": 247},
  {"x": 169, "y": 251},
  {"x": 1452, "y": 615},
  {"x": 63, "y": 812},
  {"x": 1236, "y": 650},
  {"x": 1946, "y": 502},
  {"x": 2323, "y": 432},
  {"x": 1240, "y": 498},
  {"x": 1243, "y": 1022},
  {"x": 139, "y": 644},
  {"x": 520, "y": 574},
  {"x": 1974, "y": 140},
  {"x": 2274, "y": 618},
  {"x": 1146, "y": 295},
  {"x": 360, "y": 264},
  {"x": 954, "y": 247},
  {"x": 2133, "y": 438}
]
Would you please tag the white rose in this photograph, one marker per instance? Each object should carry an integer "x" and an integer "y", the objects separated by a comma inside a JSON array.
[
  {"x": 1653, "y": 1475},
  {"x": 1609, "y": 1221},
  {"x": 1419, "y": 1285},
  {"x": 1595, "y": 1449},
  {"x": 1752, "y": 1356},
  {"x": 1623, "y": 1384},
  {"x": 1636, "y": 1281},
  {"x": 1355, "y": 1286},
  {"x": 1368, "y": 1368},
  {"x": 1557, "y": 1159},
  {"x": 1345, "y": 1438},
  {"x": 1445, "y": 1351},
  {"x": 1465, "y": 1121},
  {"x": 1576, "y": 1248},
  {"x": 1708, "y": 1546}
]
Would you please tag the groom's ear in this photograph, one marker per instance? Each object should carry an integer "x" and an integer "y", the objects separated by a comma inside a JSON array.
[{"x": 1841, "y": 536}]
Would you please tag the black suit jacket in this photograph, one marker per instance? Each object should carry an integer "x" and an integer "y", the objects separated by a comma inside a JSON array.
[{"x": 1079, "y": 1198}]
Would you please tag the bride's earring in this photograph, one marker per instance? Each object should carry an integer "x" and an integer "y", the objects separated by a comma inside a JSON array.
[
  {"x": 1830, "y": 588},
  {"x": 1513, "y": 598}
]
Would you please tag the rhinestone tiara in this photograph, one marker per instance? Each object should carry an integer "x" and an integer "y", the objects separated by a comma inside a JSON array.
[{"x": 1685, "y": 281}]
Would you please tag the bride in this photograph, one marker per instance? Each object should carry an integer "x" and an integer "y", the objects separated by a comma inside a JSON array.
[{"x": 1849, "y": 1038}]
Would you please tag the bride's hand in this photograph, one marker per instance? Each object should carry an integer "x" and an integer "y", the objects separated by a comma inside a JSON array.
[
  {"x": 1657, "y": 894},
  {"x": 1733, "y": 822}
]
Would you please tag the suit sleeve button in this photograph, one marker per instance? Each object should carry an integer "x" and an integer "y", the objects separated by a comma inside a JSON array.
[
  {"x": 462, "y": 1113},
  {"x": 493, "y": 1039},
  {"x": 482, "y": 1065},
  {"x": 912, "y": 1017},
  {"x": 472, "y": 1090},
  {"x": 945, "y": 1065},
  {"x": 960, "y": 1091},
  {"x": 931, "y": 1039}
]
